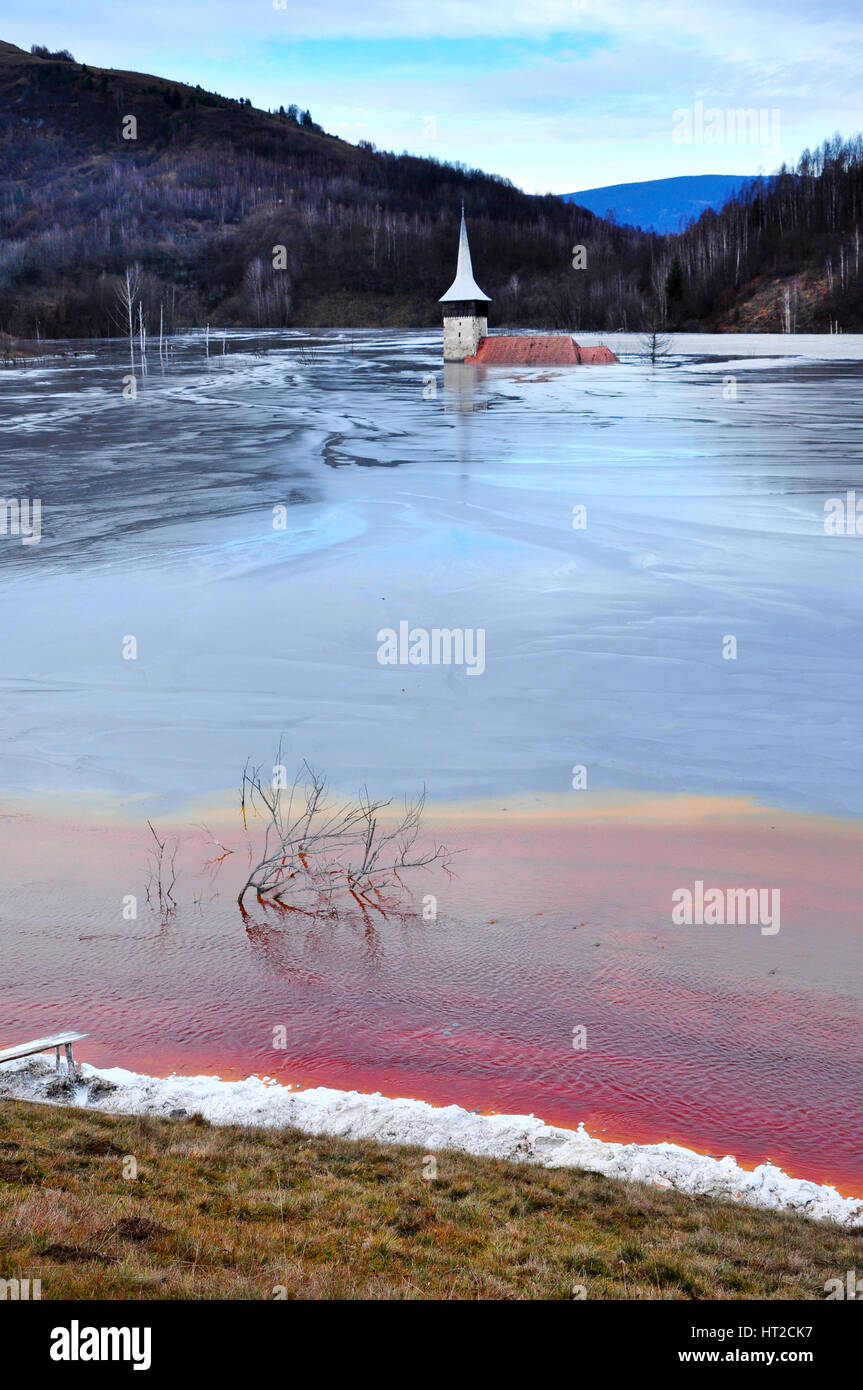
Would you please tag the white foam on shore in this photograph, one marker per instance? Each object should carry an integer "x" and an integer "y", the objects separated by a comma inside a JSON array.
[{"x": 354, "y": 1115}]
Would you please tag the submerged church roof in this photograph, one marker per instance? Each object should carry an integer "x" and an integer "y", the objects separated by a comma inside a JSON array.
[
  {"x": 463, "y": 286},
  {"x": 535, "y": 350}
]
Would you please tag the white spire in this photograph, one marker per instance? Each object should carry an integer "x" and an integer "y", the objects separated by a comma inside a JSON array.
[{"x": 463, "y": 286}]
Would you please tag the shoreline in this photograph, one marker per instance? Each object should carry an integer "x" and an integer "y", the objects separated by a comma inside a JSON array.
[
  {"x": 354, "y": 1115},
  {"x": 691, "y": 1030}
]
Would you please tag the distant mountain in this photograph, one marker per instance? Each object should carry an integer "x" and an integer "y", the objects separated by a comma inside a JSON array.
[{"x": 661, "y": 205}]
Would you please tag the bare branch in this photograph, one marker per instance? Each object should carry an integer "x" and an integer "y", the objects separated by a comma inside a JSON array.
[
  {"x": 160, "y": 871},
  {"x": 314, "y": 852}
]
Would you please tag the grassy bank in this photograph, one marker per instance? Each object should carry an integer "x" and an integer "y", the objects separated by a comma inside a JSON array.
[{"x": 231, "y": 1212}]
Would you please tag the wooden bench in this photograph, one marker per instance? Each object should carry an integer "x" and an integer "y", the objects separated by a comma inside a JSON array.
[{"x": 56, "y": 1040}]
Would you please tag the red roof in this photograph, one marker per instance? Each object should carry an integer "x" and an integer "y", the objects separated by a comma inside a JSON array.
[
  {"x": 546, "y": 349},
  {"x": 591, "y": 355}
]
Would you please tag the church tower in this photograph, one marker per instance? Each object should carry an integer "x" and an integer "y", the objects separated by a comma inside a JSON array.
[{"x": 465, "y": 318}]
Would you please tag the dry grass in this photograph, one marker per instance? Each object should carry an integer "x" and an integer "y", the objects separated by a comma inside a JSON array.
[{"x": 232, "y": 1212}]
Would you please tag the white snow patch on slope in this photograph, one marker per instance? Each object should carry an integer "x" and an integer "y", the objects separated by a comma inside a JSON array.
[{"x": 354, "y": 1115}]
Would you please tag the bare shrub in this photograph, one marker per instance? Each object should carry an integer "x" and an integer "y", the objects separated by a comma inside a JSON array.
[
  {"x": 163, "y": 874},
  {"x": 316, "y": 853},
  {"x": 655, "y": 340}
]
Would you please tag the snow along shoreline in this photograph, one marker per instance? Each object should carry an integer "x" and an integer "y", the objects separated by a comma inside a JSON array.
[{"x": 354, "y": 1115}]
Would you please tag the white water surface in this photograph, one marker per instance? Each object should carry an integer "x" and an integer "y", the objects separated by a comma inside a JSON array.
[{"x": 445, "y": 503}]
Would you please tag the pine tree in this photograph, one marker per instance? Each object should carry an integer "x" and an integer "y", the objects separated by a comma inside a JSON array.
[{"x": 674, "y": 282}]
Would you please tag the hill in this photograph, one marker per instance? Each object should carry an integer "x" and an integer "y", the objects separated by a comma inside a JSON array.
[
  {"x": 782, "y": 255},
  {"x": 100, "y": 169},
  {"x": 660, "y": 205}
]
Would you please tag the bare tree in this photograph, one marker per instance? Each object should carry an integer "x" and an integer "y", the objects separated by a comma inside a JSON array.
[
  {"x": 162, "y": 867},
  {"x": 142, "y": 337},
  {"x": 127, "y": 295},
  {"x": 315, "y": 852},
  {"x": 655, "y": 342}
]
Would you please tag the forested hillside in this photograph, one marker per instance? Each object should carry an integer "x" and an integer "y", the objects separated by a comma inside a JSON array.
[
  {"x": 209, "y": 187},
  {"x": 103, "y": 171},
  {"x": 784, "y": 255}
]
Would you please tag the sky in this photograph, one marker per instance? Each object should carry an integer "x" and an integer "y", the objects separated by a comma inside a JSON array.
[{"x": 556, "y": 95}]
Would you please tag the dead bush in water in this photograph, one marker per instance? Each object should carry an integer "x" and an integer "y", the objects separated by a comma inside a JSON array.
[
  {"x": 163, "y": 874},
  {"x": 316, "y": 854}
]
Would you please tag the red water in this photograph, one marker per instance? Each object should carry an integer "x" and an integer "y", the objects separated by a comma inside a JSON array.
[{"x": 720, "y": 1038}]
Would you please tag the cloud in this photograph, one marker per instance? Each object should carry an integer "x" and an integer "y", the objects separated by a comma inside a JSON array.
[{"x": 532, "y": 89}]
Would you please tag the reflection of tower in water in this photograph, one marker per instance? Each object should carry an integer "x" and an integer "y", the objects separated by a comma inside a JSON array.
[
  {"x": 464, "y": 388},
  {"x": 464, "y": 394}
]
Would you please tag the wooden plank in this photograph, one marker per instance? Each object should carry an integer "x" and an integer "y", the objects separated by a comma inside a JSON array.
[{"x": 28, "y": 1049}]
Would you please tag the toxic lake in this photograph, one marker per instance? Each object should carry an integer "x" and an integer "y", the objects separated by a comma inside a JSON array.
[{"x": 664, "y": 566}]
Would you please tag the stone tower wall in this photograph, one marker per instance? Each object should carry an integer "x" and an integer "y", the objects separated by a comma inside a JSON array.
[{"x": 461, "y": 335}]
